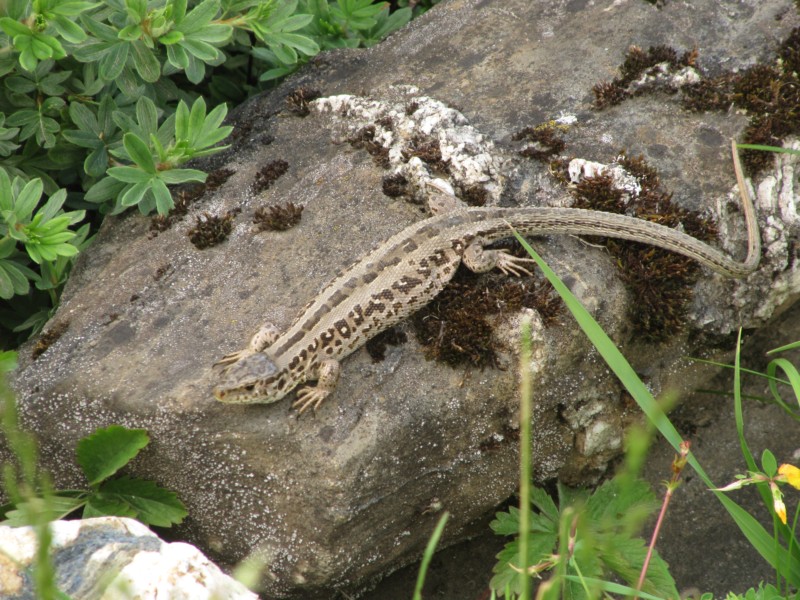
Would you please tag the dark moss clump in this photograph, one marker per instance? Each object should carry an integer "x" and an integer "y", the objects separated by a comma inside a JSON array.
[
  {"x": 277, "y": 218},
  {"x": 770, "y": 95},
  {"x": 656, "y": 62},
  {"x": 48, "y": 338},
  {"x": 217, "y": 178},
  {"x": 659, "y": 280},
  {"x": 427, "y": 149},
  {"x": 395, "y": 185},
  {"x": 183, "y": 199},
  {"x": 268, "y": 174},
  {"x": 297, "y": 101},
  {"x": 455, "y": 327},
  {"x": 210, "y": 230},
  {"x": 543, "y": 141},
  {"x": 473, "y": 195},
  {"x": 376, "y": 347},
  {"x": 366, "y": 138}
]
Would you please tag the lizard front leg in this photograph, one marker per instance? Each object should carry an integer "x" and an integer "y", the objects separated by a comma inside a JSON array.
[
  {"x": 263, "y": 338},
  {"x": 480, "y": 260},
  {"x": 327, "y": 375}
]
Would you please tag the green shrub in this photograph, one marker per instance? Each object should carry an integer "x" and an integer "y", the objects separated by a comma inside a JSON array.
[{"x": 102, "y": 103}]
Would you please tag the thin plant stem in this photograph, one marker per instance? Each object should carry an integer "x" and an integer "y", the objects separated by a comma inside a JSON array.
[{"x": 526, "y": 392}]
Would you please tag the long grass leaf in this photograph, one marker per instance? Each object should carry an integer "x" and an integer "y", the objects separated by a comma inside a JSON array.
[{"x": 758, "y": 537}]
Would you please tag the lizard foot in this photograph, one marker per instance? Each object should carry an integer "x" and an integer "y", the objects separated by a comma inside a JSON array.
[
  {"x": 513, "y": 265},
  {"x": 226, "y": 361},
  {"x": 309, "y": 397}
]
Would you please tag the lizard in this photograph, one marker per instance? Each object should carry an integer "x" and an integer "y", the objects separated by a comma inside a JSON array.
[{"x": 409, "y": 269}]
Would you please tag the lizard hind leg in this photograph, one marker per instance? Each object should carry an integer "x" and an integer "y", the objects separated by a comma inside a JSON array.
[
  {"x": 264, "y": 338},
  {"x": 480, "y": 260}
]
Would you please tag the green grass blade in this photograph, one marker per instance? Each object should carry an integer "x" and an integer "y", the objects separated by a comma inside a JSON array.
[
  {"x": 791, "y": 346},
  {"x": 768, "y": 148},
  {"x": 428, "y": 555},
  {"x": 762, "y": 541},
  {"x": 526, "y": 399}
]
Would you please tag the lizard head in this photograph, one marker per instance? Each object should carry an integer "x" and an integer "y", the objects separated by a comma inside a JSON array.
[{"x": 252, "y": 379}]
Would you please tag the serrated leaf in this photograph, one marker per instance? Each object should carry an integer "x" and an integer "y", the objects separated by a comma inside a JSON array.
[
  {"x": 506, "y": 523},
  {"x": 107, "y": 450},
  {"x": 101, "y": 505},
  {"x": 153, "y": 504}
]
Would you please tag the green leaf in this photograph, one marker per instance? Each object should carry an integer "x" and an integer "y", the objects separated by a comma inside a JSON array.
[
  {"x": 28, "y": 199},
  {"x": 139, "y": 152},
  {"x": 103, "y": 505},
  {"x": 52, "y": 206},
  {"x": 768, "y": 463},
  {"x": 135, "y": 193},
  {"x": 52, "y": 509},
  {"x": 177, "y": 57},
  {"x": 113, "y": 61},
  {"x": 145, "y": 62},
  {"x": 199, "y": 16},
  {"x": 12, "y": 279},
  {"x": 202, "y": 50},
  {"x": 68, "y": 29},
  {"x": 147, "y": 115},
  {"x": 171, "y": 37},
  {"x": 163, "y": 198},
  {"x": 153, "y": 504},
  {"x": 129, "y": 175},
  {"x": 107, "y": 188},
  {"x": 107, "y": 450},
  {"x": 173, "y": 176},
  {"x": 8, "y": 361}
]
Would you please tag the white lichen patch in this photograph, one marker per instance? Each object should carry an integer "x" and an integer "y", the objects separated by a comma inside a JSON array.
[
  {"x": 404, "y": 126},
  {"x": 580, "y": 169},
  {"x": 663, "y": 75}
]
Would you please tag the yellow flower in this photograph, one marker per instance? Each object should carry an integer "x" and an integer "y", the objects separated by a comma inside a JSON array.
[
  {"x": 777, "y": 502},
  {"x": 791, "y": 475}
]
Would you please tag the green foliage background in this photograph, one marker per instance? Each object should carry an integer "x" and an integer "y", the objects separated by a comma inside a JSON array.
[{"x": 102, "y": 103}]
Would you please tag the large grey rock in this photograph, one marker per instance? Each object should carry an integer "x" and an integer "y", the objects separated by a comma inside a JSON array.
[
  {"x": 334, "y": 499},
  {"x": 111, "y": 557}
]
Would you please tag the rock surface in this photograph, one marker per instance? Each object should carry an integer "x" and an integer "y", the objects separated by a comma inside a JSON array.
[
  {"x": 112, "y": 557},
  {"x": 332, "y": 500}
]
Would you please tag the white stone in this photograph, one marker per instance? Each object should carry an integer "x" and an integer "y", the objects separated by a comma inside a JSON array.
[{"x": 122, "y": 556}]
